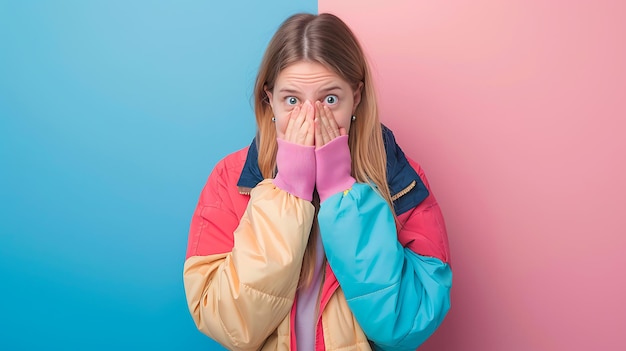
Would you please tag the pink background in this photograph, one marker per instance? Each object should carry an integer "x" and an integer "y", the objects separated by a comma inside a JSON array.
[{"x": 516, "y": 110}]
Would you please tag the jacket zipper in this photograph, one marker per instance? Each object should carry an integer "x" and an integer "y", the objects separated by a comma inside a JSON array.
[
  {"x": 404, "y": 191},
  {"x": 244, "y": 190}
]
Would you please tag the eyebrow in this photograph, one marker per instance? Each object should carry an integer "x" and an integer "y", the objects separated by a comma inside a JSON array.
[
  {"x": 331, "y": 88},
  {"x": 294, "y": 91},
  {"x": 289, "y": 91}
]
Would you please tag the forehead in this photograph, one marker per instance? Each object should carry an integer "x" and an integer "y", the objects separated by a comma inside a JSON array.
[{"x": 308, "y": 74}]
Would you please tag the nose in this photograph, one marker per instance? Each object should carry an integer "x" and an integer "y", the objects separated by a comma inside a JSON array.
[{"x": 309, "y": 103}]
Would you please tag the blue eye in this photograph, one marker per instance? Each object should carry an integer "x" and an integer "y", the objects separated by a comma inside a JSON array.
[
  {"x": 331, "y": 99},
  {"x": 291, "y": 100}
]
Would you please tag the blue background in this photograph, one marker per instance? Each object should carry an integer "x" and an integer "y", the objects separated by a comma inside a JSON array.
[{"x": 112, "y": 115}]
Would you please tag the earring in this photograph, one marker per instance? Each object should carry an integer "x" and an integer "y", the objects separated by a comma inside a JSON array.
[
  {"x": 353, "y": 118},
  {"x": 274, "y": 119}
]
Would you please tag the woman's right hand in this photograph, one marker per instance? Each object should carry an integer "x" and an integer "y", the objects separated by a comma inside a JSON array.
[
  {"x": 300, "y": 127},
  {"x": 295, "y": 158}
]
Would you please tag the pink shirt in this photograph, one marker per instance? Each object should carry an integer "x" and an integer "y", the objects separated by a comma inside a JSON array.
[{"x": 306, "y": 312}]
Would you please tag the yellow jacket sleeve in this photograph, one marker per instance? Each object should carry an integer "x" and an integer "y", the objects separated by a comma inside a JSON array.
[{"x": 238, "y": 298}]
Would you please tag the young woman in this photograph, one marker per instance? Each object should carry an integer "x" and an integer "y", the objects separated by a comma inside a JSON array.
[{"x": 321, "y": 235}]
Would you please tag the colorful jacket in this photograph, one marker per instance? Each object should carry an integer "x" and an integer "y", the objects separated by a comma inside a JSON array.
[{"x": 387, "y": 284}]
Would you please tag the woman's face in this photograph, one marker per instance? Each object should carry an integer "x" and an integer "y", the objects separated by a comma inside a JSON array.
[{"x": 312, "y": 81}]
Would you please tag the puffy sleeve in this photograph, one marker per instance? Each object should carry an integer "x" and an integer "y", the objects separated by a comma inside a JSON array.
[
  {"x": 398, "y": 293},
  {"x": 239, "y": 272}
]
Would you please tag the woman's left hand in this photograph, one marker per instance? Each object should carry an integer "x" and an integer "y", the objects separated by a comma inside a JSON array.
[
  {"x": 326, "y": 128},
  {"x": 332, "y": 154}
]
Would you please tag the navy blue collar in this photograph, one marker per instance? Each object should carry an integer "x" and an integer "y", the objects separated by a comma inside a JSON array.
[{"x": 400, "y": 174}]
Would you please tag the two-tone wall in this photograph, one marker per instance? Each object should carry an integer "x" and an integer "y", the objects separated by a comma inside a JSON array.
[{"x": 113, "y": 113}]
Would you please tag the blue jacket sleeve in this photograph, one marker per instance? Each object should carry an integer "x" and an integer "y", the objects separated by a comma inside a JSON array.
[{"x": 398, "y": 297}]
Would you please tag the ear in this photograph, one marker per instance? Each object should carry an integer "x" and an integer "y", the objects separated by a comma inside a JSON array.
[
  {"x": 269, "y": 95},
  {"x": 357, "y": 96}
]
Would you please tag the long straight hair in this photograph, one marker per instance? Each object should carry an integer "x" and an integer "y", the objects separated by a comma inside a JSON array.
[{"x": 327, "y": 40}]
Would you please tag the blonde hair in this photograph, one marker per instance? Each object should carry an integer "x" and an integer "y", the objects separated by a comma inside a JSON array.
[{"x": 327, "y": 40}]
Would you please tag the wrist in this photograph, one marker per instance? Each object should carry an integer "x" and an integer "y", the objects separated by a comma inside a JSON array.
[
  {"x": 333, "y": 168},
  {"x": 296, "y": 169}
]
